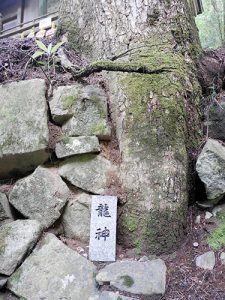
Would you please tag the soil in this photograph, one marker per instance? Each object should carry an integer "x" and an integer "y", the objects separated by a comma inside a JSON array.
[{"x": 184, "y": 279}]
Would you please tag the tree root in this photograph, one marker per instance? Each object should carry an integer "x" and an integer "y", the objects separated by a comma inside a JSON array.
[{"x": 107, "y": 65}]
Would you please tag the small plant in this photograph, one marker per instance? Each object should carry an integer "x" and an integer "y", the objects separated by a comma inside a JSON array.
[{"x": 48, "y": 51}]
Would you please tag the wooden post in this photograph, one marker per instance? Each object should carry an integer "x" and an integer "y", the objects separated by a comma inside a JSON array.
[{"x": 42, "y": 7}]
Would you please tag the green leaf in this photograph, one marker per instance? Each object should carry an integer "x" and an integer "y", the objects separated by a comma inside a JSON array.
[
  {"x": 42, "y": 46},
  {"x": 37, "y": 54},
  {"x": 56, "y": 47}
]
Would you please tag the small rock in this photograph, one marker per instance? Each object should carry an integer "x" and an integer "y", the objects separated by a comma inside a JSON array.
[
  {"x": 208, "y": 215},
  {"x": 76, "y": 217},
  {"x": 144, "y": 278},
  {"x": 211, "y": 170},
  {"x": 217, "y": 209},
  {"x": 195, "y": 244},
  {"x": 198, "y": 219},
  {"x": 82, "y": 110},
  {"x": 206, "y": 261},
  {"x": 89, "y": 172},
  {"x": 222, "y": 258},
  {"x": 143, "y": 258},
  {"x": 54, "y": 271},
  {"x": 16, "y": 239},
  {"x": 77, "y": 145},
  {"x": 40, "y": 196}
]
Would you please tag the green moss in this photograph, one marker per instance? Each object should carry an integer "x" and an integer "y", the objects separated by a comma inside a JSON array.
[
  {"x": 138, "y": 246},
  {"x": 216, "y": 238},
  {"x": 100, "y": 129},
  {"x": 127, "y": 280},
  {"x": 119, "y": 298},
  {"x": 69, "y": 100},
  {"x": 131, "y": 224}
]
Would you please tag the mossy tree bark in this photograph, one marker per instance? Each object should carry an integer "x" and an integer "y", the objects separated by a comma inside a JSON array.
[{"x": 156, "y": 116}]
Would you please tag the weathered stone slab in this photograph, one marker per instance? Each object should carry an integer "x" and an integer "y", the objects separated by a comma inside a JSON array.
[
  {"x": 40, "y": 196},
  {"x": 144, "y": 278},
  {"x": 76, "y": 217},
  {"x": 5, "y": 210},
  {"x": 82, "y": 110},
  {"x": 103, "y": 228},
  {"x": 16, "y": 239},
  {"x": 77, "y": 145},
  {"x": 211, "y": 170},
  {"x": 206, "y": 261},
  {"x": 54, "y": 271},
  {"x": 23, "y": 127},
  {"x": 89, "y": 172}
]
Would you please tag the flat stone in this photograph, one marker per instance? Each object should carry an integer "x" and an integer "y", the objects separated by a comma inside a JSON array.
[
  {"x": 40, "y": 196},
  {"x": 76, "y": 217},
  {"x": 54, "y": 271},
  {"x": 144, "y": 278},
  {"x": 208, "y": 215},
  {"x": 112, "y": 296},
  {"x": 16, "y": 239},
  {"x": 23, "y": 127},
  {"x": 89, "y": 172},
  {"x": 77, "y": 145},
  {"x": 82, "y": 110},
  {"x": 5, "y": 210},
  {"x": 102, "y": 245},
  {"x": 211, "y": 170},
  {"x": 206, "y": 261}
]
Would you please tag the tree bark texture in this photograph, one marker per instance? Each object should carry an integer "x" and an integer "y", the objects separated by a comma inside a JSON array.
[{"x": 156, "y": 116}]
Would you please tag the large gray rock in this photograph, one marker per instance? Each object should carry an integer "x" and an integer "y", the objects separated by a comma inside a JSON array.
[
  {"x": 211, "y": 170},
  {"x": 23, "y": 127},
  {"x": 145, "y": 278},
  {"x": 89, "y": 172},
  {"x": 77, "y": 145},
  {"x": 5, "y": 210},
  {"x": 76, "y": 217},
  {"x": 82, "y": 110},
  {"x": 54, "y": 271},
  {"x": 16, "y": 239},
  {"x": 215, "y": 121},
  {"x": 206, "y": 261},
  {"x": 40, "y": 196}
]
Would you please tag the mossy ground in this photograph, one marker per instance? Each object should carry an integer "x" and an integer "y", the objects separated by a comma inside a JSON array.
[{"x": 216, "y": 238}]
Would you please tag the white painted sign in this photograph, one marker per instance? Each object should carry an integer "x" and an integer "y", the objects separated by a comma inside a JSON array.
[{"x": 103, "y": 228}]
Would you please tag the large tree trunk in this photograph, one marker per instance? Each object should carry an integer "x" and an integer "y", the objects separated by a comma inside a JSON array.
[{"x": 156, "y": 116}]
